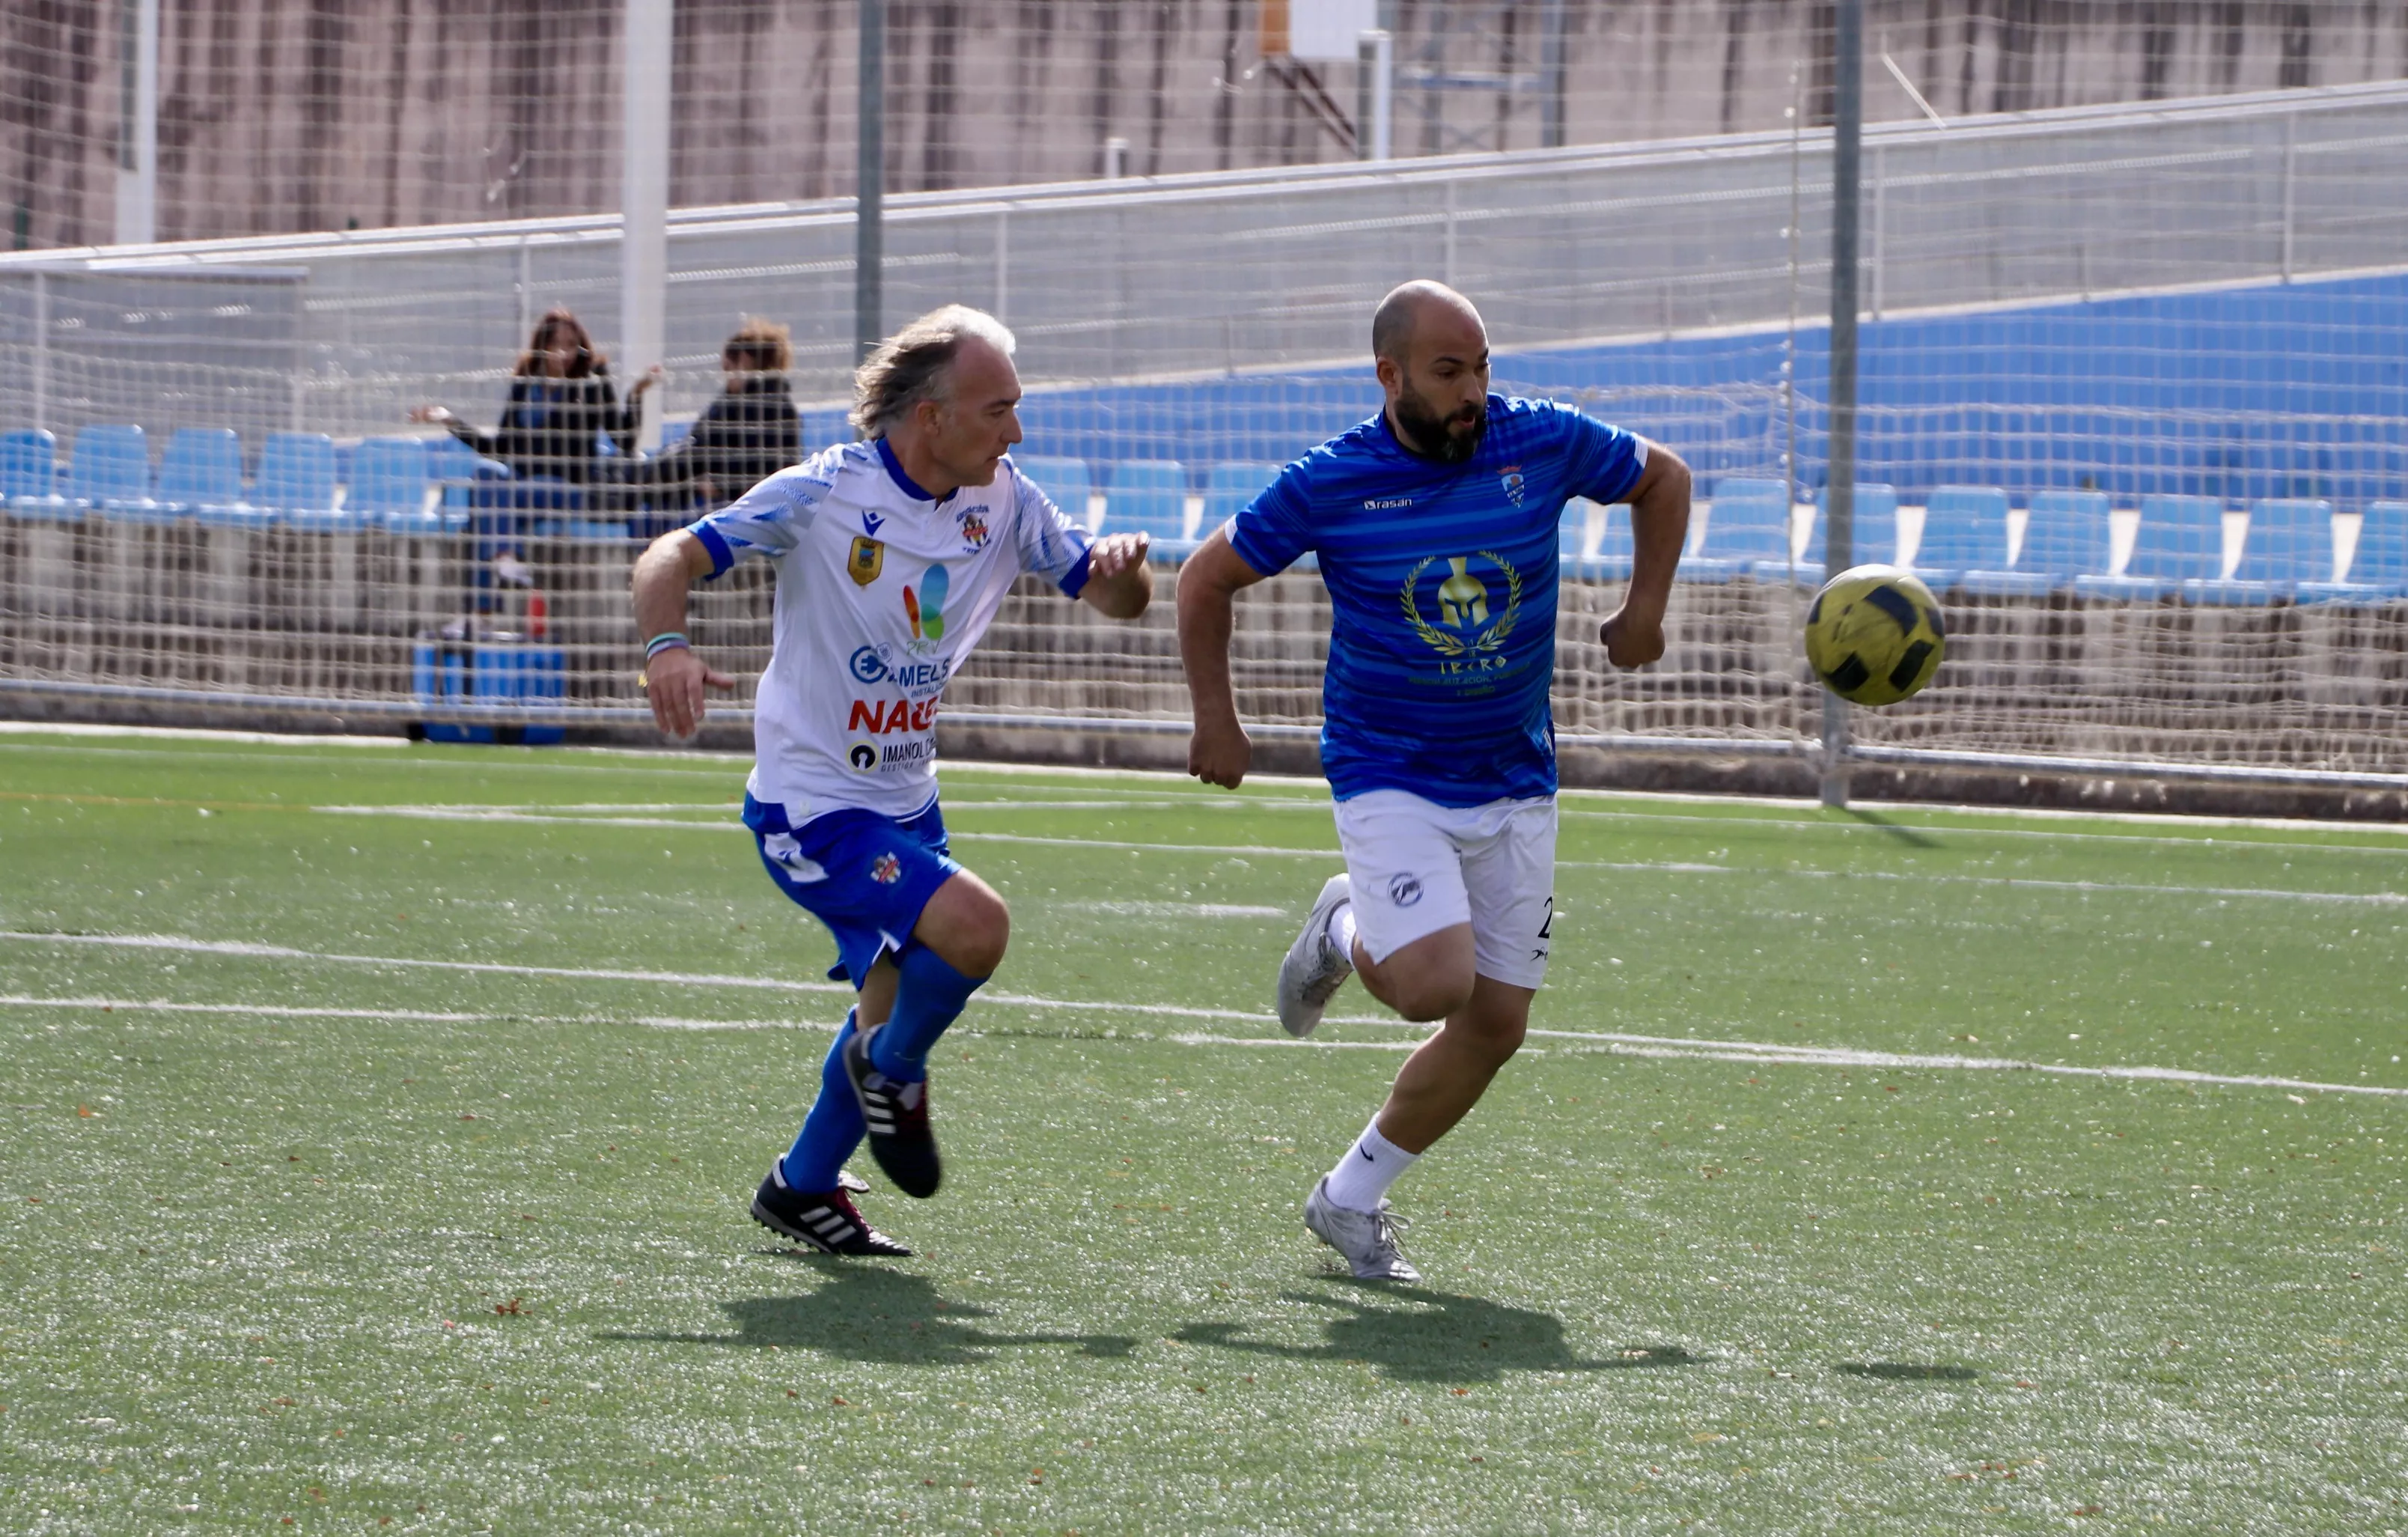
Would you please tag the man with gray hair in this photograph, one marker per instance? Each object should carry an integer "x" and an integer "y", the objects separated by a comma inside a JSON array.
[{"x": 891, "y": 556}]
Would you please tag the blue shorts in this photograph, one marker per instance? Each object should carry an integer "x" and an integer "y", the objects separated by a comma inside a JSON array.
[{"x": 863, "y": 875}]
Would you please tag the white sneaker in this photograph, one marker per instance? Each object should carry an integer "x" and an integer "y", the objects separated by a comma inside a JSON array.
[
  {"x": 1313, "y": 969},
  {"x": 1367, "y": 1238}
]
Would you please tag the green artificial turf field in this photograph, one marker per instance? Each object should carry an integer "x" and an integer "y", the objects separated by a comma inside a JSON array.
[{"x": 376, "y": 1126}]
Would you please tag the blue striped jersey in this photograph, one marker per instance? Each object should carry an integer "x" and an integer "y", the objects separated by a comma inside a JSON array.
[{"x": 1443, "y": 581}]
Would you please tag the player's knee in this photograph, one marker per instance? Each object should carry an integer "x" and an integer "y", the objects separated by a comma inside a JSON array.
[
  {"x": 1425, "y": 999},
  {"x": 968, "y": 926}
]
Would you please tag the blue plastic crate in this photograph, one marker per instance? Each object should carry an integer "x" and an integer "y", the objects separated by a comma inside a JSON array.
[{"x": 486, "y": 672}]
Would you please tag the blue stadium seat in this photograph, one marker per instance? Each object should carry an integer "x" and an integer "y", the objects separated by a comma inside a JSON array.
[
  {"x": 1150, "y": 496},
  {"x": 202, "y": 467},
  {"x": 826, "y": 428},
  {"x": 29, "y": 468},
  {"x": 450, "y": 459},
  {"x": 1572, "y": 540},
  {"x": 673, "y": 433},
  {"x": 1873, "y": 535},
  {"x": 1065, "y": 481},
  {"x": 2289, "y": 542},
  {"x": 1964, "y": 529},
  {"x": 2181, "y": 539},
  {"x": 2067, "y": 538},
  {"x": 389, "y": 479},
  {"x": 1228, "y": 488},
  {"x": 1610, "y": 559},
  {"x": 110, "y": 468},
  {"x": 296, "y": 477},
  {"x": 1747, "y": 525},
  {"x": 2378, "y": 570}
]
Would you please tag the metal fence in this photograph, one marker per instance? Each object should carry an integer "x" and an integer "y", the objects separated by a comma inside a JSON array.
[{"x": 1182, "y": 275}]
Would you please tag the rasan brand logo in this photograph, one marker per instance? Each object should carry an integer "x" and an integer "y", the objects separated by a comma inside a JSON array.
[{"x": 1386, "y": 504}]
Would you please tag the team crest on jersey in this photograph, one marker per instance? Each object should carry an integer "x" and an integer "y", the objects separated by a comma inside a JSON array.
[
  {"x": 1509, "y": 480},
  {"x": 866, "y": 558},
  {"x": 886, "y": 870},
  {"x": 974, "y": 529},
  {"x": 1471, "y": 624}
]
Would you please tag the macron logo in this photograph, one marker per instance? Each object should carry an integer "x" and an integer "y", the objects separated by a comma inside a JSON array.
[
  {"x": 1386, "y": 504},
  {"x": 871, "y": 522}
]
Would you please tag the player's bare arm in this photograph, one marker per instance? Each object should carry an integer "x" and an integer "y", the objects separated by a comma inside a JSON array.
[
  {"x": 1659, "y": 525},
  {"x": 1119, "y": 584},
  {"x": 1218, "y": 751},
  {"x": 676, "y": 681}
]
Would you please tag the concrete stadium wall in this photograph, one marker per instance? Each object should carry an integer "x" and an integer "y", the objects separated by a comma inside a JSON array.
[{"x": 288, "y": 115}]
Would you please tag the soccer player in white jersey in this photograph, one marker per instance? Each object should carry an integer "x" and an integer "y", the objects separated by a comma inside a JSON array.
[
  {"x": 1435, "y": 525},
  {"x": 891, "y": 556}
]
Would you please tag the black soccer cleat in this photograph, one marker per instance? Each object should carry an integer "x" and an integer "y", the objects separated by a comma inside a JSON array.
[
  {"x": 825, "y": 1220},
  {"x": 895, "y": 1114}
]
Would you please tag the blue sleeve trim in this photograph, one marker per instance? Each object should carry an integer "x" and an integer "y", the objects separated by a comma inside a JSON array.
[
  {"x": 722, "y": 557},
  {"x": 1074, "y": 581}
]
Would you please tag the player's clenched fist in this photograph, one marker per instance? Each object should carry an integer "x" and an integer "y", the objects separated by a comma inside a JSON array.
[
  {"x": 1220, "y": 754},
  {"x": 676, "y": 683},
  {"x": 1632, "y": 639}
]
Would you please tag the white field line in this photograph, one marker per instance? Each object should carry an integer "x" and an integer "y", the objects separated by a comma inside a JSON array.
[
  {"x": 1609, "y": 1041},
  {"x": 1173, "y": 782},
  {"x": 683, "y": 979},
  {"x": 416, "y": 1016},
  {"x": 1168, "y": 800},
  {"x": 1266, "y": 851}
]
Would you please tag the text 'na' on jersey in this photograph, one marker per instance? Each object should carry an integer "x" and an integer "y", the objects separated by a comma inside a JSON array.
[
  {"x": 1443, "y": 581},
  {"x": 882, "y": 589}
]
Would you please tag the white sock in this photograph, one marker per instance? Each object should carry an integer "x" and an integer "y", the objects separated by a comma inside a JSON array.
[
  {"x": 1366, "y": 1170},
  {"x": 1341, "y": 930}
]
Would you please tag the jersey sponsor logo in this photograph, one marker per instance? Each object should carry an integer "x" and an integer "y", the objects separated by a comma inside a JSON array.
[
  {"x": 1385, "y": 504},
  {"x": 911, "y": 753},
  {"x": 887, "y": 869},
  {"x": 867, "y": 664},
  {"x": 1509, "y": 480},
  {"x": 1472, "y": 627},
  {"x": 925, "y": 609},
  {"x": 866, "y": 558},
  {"x": 1404, "y": 890},
  {"x": 974, "y": 528},
  {"x": 862, "y": 757},
  {"x": 880, "y": 718}
]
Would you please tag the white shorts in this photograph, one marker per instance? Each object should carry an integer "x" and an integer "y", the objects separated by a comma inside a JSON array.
[{"x": 1418, "y": 867}]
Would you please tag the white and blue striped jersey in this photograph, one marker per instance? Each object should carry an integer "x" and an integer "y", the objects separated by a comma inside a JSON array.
[{"x": 881, "y": 591}]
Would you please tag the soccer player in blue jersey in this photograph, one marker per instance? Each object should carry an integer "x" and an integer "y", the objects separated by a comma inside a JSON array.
[
  {"x": 1435, "y": 525},
  {"x": 893, "y": 554}
]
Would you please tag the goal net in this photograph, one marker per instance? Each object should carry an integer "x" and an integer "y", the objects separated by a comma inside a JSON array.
[{"x": 2129, "y": 395}]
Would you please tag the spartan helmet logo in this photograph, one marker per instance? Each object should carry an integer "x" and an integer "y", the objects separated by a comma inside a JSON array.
[{"x": 1462, "y": 598}]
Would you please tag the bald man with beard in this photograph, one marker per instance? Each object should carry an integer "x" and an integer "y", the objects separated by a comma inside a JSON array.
[{"x": 1435, "y": 526}]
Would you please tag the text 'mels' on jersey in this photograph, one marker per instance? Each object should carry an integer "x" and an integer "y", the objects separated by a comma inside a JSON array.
[
  {"x": 881, "y": 591},
  {"x": 1443, "y": 580}
]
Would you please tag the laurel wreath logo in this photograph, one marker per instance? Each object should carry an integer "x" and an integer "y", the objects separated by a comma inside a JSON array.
[{"x": 1490, "y": 638}]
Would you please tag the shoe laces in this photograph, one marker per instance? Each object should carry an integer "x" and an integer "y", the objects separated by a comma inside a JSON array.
[{"x": 1387, "y": 1223}]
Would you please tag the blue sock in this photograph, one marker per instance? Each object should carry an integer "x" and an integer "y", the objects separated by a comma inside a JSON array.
[
  {"x": 929, "y": 996},
  {"x": 833, "y": 1128}
]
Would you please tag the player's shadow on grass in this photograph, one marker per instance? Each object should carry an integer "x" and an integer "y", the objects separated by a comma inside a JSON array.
[
  {"x": 1914, "y": 837},
  {"x": 1434, "y": 1336},
  {"x": 869, "y": 1313}
]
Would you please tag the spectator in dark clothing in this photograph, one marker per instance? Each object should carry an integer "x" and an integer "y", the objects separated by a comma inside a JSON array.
[
  {"x": 747, "y": 433},
  {"x": 561, "y": 399}
]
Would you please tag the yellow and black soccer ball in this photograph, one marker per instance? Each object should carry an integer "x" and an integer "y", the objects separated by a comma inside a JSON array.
[{"x": 1874, "y": 635}]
